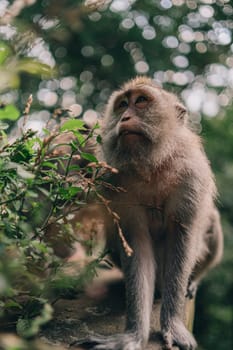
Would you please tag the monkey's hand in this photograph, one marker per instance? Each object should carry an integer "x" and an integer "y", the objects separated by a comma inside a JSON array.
[
  {"x": 176, "y": 334},
  {"x": 191, "y": 290},
  {"x": 126, "y": 341}
]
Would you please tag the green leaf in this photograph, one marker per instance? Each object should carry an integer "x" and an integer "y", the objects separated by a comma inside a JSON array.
[
  {"x": 22, "y": 326},
  {"x": 28, "y": 327},
  {"x": 89, "y": 157},
  {"x": 99, "y": 139},
  {"x": 40, "y": 246},
  {"x": 81, "y": 139},
  {"x": 31, "y": 194},
  {"x": 4, "y": 52},
  {"x": 46, "y": 131},
  {"x": 73, "y": 124},
  {"x": 73, "y": 168},
  {"x": 9, "y": 112},
  {"x": 68, "y": 193},
  {"x": 34, "y": 67},
  {"x": 50, "y": 165},
  {"x": 25, "y": 174},
  {"x": 44, "y": 191},
  {"x": 21, "y": 171},
  {"x": 3, "y": 126},
  {"x": 12, "y": 304},
  {"x": 9, "y": 79},
  {"x": 96, "y": 126}
]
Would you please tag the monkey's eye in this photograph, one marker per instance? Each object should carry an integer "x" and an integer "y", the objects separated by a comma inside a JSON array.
[
  {"x": 141, "y": 99},
  {"x": 123, "y": 104}
]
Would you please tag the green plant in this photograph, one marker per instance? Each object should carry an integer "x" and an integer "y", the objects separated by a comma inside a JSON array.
[{"x": 40, "y": 187}]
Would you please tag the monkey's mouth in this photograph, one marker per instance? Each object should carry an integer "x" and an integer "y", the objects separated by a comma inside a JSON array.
[
  {"x": 130, "y": 137},
  {"x": 130, "y": 132}
]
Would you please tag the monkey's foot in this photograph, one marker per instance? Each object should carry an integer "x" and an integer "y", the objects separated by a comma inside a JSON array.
[
  {"x": 177, "y": 334},
  {"x": 115, "y": 342}
]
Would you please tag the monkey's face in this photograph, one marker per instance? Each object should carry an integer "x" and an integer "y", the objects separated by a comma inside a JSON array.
[{"x": 138, "y": 118}]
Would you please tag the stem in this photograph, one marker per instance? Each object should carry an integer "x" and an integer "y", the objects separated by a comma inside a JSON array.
[
  {"x": 54, "y": 204},
  {"x": 13, "y": 199}
]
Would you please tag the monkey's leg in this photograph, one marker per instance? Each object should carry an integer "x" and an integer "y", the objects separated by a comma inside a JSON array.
[
  {"x": 178, "y": 267},
  {"x": 139, "y": 271}
]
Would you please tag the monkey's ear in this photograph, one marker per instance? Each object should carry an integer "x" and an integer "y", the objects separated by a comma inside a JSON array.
[{"x": 180, "y": 111}]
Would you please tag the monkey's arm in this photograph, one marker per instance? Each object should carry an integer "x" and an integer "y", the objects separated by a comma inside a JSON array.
[
  {"x": 139, "y": 271},
  {"x": 178, "y": 268},
  {"x": 184, "y": 225},
  {"x": 214, "y": 243},
  {"x": 139, "y": 275}
]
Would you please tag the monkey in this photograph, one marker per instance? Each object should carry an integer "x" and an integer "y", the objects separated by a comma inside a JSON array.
[{"x": 167, "y": 211}]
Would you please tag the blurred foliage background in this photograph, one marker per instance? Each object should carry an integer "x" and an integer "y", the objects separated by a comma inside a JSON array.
[{"x": 72, "y": 54}]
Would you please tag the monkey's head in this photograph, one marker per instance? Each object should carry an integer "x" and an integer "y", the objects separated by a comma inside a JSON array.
[{"x": 140, "y": 120}]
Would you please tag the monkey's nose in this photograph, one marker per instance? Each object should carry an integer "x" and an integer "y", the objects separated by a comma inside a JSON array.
[{"x": 125, "y": 118}]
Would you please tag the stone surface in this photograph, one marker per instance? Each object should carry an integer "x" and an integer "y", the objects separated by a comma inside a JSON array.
[
  {"x": 98, "y": 310},
  {"x": 101, "y": 311}
]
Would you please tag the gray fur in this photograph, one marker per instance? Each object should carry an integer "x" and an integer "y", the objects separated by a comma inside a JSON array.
[{"x": 167, "y": 213}]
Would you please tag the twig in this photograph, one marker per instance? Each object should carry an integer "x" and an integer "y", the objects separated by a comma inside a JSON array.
[
  {"x": 28, "y": 105},
  {"x": 116, "y": 220}
]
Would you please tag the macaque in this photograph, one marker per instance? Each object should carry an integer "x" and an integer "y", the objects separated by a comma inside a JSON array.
[{"x": 167, "y": 211}]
